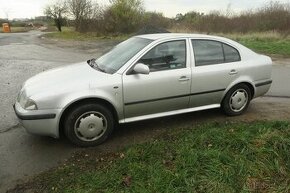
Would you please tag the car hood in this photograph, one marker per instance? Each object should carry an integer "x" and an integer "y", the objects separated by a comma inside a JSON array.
[{"x": 63, "y": 78}]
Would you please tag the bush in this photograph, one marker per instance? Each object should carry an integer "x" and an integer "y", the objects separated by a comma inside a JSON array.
[
  {"x": 156, "y": 20},
  {"x": 274, "y": 16},
  {"x": 123, "y": 16}
]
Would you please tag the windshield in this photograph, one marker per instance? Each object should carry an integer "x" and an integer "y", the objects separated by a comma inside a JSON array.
[{"x": 112, "y": 61}]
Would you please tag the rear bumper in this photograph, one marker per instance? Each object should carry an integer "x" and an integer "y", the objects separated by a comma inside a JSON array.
[
  {"x": 262, "y": 87},
  {"x": 264, "y": 83},
  {"x": 39, "y": 122}
]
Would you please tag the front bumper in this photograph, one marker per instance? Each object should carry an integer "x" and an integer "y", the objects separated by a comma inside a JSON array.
[{"x": 39, "y": 122}]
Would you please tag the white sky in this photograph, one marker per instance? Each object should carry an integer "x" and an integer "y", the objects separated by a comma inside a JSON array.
[{"x": 32, "y": 8}]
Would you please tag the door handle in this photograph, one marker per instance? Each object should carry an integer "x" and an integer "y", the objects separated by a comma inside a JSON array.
[
  {"x": 233, "y": 72},
  {"x": 184, "y": 78}
]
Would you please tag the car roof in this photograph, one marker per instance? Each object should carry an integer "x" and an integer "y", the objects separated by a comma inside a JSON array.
[{"x": 174, "y": 35}]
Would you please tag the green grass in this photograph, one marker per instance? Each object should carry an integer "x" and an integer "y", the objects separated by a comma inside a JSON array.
[
  {"x": 218, "y": 157},
  {"x": 71, "y": 35},
  {"x": 270, "y": 43}
]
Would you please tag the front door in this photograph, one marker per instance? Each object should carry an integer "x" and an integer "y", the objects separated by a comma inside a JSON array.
[{"x": 166, "y": 88}]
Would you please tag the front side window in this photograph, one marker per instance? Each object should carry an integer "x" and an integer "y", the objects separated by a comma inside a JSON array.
[
  {"x": 166, "y": 56},
  {"x": 207, "y": 52},
  {"x": 112, "y": 61}
]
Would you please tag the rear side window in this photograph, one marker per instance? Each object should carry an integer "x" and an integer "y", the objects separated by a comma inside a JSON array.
[
  {"x": 209, "y": 52},
  {"x": 231, "y": 54}
]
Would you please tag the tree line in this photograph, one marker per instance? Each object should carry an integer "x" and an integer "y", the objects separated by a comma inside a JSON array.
[
  {"x": 128, "y": 16},
  {"x": 121, "y": 16},
  {"x": 273, "y": 16}
]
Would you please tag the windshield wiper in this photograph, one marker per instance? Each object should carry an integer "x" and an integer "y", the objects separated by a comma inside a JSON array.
[{"x": 93, "y": 64}]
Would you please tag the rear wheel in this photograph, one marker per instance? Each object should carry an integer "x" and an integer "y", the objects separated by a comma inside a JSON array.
[
  {"x": 88, "y": 124},
  {"x": 237, "y": 100}
]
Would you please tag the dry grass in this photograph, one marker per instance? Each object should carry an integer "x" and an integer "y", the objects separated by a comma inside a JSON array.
[
  {"x": 257, "y": 35},
  {"x": 18, "y": 29}
]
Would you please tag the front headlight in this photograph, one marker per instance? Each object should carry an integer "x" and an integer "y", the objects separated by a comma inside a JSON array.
[
  {"x": 25, "y": 102},
  {"x": 30, "y": 105}
]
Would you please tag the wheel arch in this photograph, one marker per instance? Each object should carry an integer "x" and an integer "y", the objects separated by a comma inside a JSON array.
[
  {"x": 247, "y": 83},
  {"x": 78, "y": 102}
]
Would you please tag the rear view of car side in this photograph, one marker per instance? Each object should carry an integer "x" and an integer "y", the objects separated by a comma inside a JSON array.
[
  {"x": 228, "y": 73},
  {"x": 145, "y": 77}
]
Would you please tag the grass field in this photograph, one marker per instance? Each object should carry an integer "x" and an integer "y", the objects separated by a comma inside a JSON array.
[
  {"x": 70, "y": 34},
  {"x": 269, "y": 43},
  {"x": 217, "y": 157}
]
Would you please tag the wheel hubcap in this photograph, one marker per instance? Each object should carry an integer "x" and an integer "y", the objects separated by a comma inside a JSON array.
[
  {"x": 90, "y": 126},
  {"x": 239, "y": 100}
]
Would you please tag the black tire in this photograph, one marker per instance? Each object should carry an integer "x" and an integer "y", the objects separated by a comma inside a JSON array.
[
  {"x": 90, "y": 118},
  {"x": 227, "y": 104}
]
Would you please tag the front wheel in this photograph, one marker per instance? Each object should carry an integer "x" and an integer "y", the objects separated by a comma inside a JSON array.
[
  {"x": 88, "y": 124},
  {"x": 236, "y": 100}
]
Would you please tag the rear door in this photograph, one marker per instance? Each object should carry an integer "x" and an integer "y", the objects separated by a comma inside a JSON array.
[
  {"x": 216, "y": 65},
  {"x": 166, "y": 88}
]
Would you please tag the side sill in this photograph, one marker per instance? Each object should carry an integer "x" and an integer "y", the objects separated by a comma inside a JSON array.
[{"x": 170, "y": 113}]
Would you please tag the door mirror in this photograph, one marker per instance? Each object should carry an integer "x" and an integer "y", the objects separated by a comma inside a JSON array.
[{"x": 141, "y": 69}]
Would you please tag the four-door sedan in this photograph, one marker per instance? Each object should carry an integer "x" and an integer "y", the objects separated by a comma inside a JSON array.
[{"x": 144, "y": 77}]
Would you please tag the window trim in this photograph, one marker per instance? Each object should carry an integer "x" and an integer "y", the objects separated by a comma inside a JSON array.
[
  {"x": 222, "y": 43},
  {"x": 130, "y": 70}
]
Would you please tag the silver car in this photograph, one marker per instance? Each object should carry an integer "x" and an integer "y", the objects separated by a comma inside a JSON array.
[{"x": 144, "y": 77}]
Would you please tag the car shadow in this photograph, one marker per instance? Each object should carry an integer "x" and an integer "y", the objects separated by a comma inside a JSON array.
[{"x": 142, "y": 131}]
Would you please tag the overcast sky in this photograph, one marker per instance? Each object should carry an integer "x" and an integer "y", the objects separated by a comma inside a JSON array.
[{"x": 32, "y": 8}]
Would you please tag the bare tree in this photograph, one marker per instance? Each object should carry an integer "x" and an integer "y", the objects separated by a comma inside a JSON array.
[
  {"x": 57, "y": 12},
  {"x": 81, "y": 10}
]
